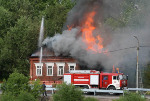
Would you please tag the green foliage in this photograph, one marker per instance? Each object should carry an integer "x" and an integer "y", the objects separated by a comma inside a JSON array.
[
  {"x": 131, "y": 97},
  {"x": 17, "y": 88},
  {"x": 17, "y": 45},
  {"x": 90, "y": 99},
  {"x": 36, "y": 88},
  {"x": 5, "y": 20},
  {"x": 7, "y": 97},
  {"x": 20, "y": 36},
  {"x": 15, "y": 84},
  {"x": 132, "y": 15},
  {"x": 125, "y": 17},
  {"x": 55, "y": 16},
  {"x": 67, "y": 93},
  {"x": 114, "y": 23},
  {"x": 147, "y": 77},
  {"x": 3, "y": 85},
  {"x": 25, "y": 96}
]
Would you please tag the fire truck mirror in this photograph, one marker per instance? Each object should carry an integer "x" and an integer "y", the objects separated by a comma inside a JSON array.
[{"x": 127, "y": 77}]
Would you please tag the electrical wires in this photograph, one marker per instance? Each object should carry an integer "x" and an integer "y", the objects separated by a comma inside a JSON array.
[{"x": 124, "y": 49}]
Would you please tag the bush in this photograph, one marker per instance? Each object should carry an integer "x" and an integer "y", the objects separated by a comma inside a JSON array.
[
  {"x": 25, "y": 96},
  {"x": 17, "y": 88},
  {"x": 67, "y": 93},
  {"x": 90, "y": 99},
  {"x": 131, "y": 97},
  {"x": 7, "y": 97},
  {"x": 15, "y": 83},
  {"x": 36, "y": 88}
]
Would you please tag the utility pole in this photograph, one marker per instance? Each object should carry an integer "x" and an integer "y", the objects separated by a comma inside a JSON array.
[{"x": 137, "y": 65}]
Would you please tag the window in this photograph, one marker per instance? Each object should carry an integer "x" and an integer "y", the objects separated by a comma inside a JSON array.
[
  {"x": 105, "y": 77},
  {"x": 49, "y": 69},
  {"x": 71, "y": 66},
  {"x": 39, "y": 69},
  {"x": 60, "y": 69},
  {"x": 114, "y": 78}
]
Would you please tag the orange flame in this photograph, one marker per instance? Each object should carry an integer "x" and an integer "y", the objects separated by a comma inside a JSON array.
[
  {"x": 113, "y": 69},
  {"x": 69, "y": 27},
  {"x": 93, "y": 43}
]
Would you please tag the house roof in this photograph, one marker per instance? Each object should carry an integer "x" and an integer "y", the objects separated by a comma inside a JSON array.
[{"x": 45, "y": 52}]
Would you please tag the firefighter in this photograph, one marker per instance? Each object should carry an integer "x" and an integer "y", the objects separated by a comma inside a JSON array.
[{"x": 44, "y": 89}]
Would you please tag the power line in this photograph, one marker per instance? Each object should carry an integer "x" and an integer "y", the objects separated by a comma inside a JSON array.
[
  {"x": 144, "y": 46},
  {"x": 119, "y": 49},
  {"x": 123, "y": 49}
]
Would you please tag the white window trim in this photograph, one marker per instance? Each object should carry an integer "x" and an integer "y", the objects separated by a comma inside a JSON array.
[
  {"x": 49, "y": 64},
  {"x": 60, "y": 64},
  {"x": 39, "y": 64},
  {"x": 72, "y": 64}
]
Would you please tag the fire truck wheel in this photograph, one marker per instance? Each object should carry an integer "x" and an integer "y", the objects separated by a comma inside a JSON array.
[{"x": 111, "y": 88}]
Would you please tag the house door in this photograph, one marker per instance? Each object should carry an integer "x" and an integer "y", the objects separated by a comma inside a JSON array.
[{"x": 105, "y": 81}]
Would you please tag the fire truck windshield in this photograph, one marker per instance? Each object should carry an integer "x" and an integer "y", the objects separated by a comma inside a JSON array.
[{"x": 122, "y": 77}]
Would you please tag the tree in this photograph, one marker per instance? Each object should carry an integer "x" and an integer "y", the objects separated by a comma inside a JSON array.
[
  {"x": 124, "y": 18},
  {"x": 5, "y": 21},
  {"x": 19, "y": 34},
  {"x": 17, "y": 45},
  {"x": 56, "y": 15},
  {"x": 132, "y": 15}
]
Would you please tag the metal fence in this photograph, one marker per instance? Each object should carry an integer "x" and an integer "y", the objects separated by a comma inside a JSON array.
[{"x": 106, "y": 91}]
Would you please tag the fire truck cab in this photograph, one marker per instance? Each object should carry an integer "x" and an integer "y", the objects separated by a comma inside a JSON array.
[{"x": 95, "y": 79}]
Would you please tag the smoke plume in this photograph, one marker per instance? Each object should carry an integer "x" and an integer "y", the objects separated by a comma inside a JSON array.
[{"x": 119, "y": 45}]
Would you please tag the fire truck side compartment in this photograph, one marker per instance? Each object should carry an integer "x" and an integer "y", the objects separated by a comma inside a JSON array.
[{"x": 94, "y": 79}]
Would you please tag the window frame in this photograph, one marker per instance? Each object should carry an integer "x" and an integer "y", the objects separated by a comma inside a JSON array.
[
  {"x": 49, "y": 64},
  {"x": 60, "y": 64},
  {"x": 36, "y": 65},
  {"x": 72, "y": 64}
]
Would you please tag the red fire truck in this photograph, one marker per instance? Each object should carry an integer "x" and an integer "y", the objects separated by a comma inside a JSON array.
[{"x": 95, "y": 79}]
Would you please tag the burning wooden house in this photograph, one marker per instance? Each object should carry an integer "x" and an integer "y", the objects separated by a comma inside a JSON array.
[{"x": 51, "y": 68}]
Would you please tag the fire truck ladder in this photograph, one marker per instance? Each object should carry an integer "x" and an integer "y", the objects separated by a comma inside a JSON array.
[{"x": 140, "y": 79}]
